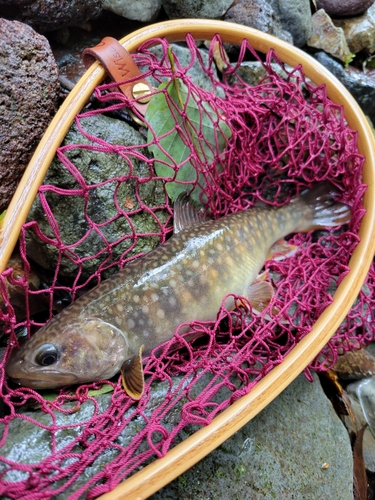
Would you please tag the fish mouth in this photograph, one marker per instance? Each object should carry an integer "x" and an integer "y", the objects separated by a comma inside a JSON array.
[{"x": 44, "y": 380}]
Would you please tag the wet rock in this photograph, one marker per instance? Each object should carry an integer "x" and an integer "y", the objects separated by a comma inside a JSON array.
[
  {"x": 47, "y": 15},
  {"x": 280, "y": 452},
  {"x": 259, "y": 15},
  {"x": 361, "y": 86},
  {"x": 344, "y": 7},
  {"x": 209, "y": 9},
  {"x": 295, "y": 17},
  {"x": 369, "y": 450},
  {"x": 97, "y": 167},
  {"x": 28, "y": 441},
  {"x": 28, "y": 99},
  {"x": 325, "y": 35},
  {"x": 359, "y": 31},
  {"x": 142, "y": 10}
]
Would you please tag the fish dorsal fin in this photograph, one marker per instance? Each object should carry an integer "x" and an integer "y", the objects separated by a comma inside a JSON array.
[
  {"x": 133, "y": 380},
  {"x": 186, "y": 213}
]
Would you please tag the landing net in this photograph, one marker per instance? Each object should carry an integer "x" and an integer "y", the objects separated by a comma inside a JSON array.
[{"x": 284, "y": 136}]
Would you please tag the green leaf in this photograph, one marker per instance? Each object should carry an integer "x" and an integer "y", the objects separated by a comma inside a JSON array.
[
  {"x": 202, "y": 131},
  {"x": 103, "y": 390},
  {"x": 2, "y": 217}
]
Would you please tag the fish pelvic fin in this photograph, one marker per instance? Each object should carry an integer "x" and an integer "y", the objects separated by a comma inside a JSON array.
[
  {"x": 324, "y": 210},
  {"x": 133, "y": 380},
  {"x": 260, "y": 295}
]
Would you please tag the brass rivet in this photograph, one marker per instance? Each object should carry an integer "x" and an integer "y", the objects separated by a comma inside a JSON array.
[{"x": 141, "y": 90}]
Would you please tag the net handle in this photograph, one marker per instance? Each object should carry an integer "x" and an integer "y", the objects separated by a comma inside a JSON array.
[{"x": 159, "y": 473}]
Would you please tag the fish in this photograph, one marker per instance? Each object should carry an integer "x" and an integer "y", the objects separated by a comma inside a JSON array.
[{"x": 111, "y": 328}]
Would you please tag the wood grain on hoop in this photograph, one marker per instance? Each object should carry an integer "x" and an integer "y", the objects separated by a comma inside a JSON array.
[{"x": 180, "y": 458}]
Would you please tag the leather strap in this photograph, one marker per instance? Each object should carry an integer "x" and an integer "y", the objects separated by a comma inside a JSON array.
[{"x": 120, "y": 67}]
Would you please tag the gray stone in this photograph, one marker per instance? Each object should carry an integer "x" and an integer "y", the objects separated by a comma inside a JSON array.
[
  {"x": 28, "y": 99},
  {"x": 208, "y": 9},
  {"x": 28, "y": 440},
  {"x": 279, "y": 454},
  {"x": 260, "y": 15},
  {"x": 141, "y": 10},
  {"x": 97, "y": 167},
  {"x": 361, "y": 86},
  {"x": 252, "y": 72},
  {"x": 295, "y": 17},
  {"x": 47, "y": 15}
]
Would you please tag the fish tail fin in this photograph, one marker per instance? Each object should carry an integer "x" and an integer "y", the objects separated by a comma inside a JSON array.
[{"x": 323, "y": 210}]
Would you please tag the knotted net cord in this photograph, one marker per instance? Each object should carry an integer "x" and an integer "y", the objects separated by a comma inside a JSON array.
[{"x": 286, "y": 136}]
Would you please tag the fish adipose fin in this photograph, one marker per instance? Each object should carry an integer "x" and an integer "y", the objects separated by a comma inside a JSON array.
[
  {"x": 324, "y": 210},
  {"x": 186, "y": 213},
  {"x": 133, "y": 380}
]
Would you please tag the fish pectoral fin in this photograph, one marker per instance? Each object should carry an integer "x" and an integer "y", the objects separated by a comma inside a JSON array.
[
  {"x": 280, "y": 250},
  {"x": 260, "y": 294},
  {"x": 186, "y": 213},
  {"x": 133, "y": 380}
]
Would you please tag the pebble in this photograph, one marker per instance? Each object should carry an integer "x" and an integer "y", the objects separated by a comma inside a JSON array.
[
  {"x": 359, "y": 31},
  {"x": 325, "y": 35},
  {"x": 344, "y": 7}
]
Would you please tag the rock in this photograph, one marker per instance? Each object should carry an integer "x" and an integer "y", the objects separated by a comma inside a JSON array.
[
  {"x": 28, "y": 439},
  {"x": 259, "y": 15},
  {"x": 208, "y": 9},
  {"x": 47, "y": 15},
  {"x": 295, "y": 17},
  {"x": 252, "y": 72},
  {"x": 369, "y": 450},
  {"x": 359, "y": 31},
  {"x": 325, "y": 35},
  {"x": 142, "y": 10},
  {"x": 28, "y": 99},
  {"x": 280, "y": 452},
  {"x": 344, "y": 7},
  {"x": 96, "y": 167},
  {"x": 364, "y": 392},
  {"x": 361, "y": 86}
]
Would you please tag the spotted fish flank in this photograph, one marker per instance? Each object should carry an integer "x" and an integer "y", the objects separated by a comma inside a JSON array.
[{"x": 184, "y": 279}]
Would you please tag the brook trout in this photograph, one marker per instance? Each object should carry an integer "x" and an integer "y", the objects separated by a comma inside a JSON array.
[{"x": 184, "y": 279}]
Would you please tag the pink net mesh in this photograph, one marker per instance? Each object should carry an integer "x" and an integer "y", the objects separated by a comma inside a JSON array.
[{"x": 286, "y": 136}]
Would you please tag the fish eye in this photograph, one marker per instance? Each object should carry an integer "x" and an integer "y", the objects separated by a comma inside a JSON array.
[{"x": 47, "y": 355}]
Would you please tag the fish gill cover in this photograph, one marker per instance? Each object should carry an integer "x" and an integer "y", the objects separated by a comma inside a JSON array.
[{"x": 282, "y": 136}]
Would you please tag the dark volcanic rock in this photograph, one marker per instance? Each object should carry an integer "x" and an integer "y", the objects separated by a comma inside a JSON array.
[
  {"x": 344, "y": 7},
  {"x": 47, "y": 15},
  {"x": 28, "y": 99},
  {"x": 361, "y": 86}
]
